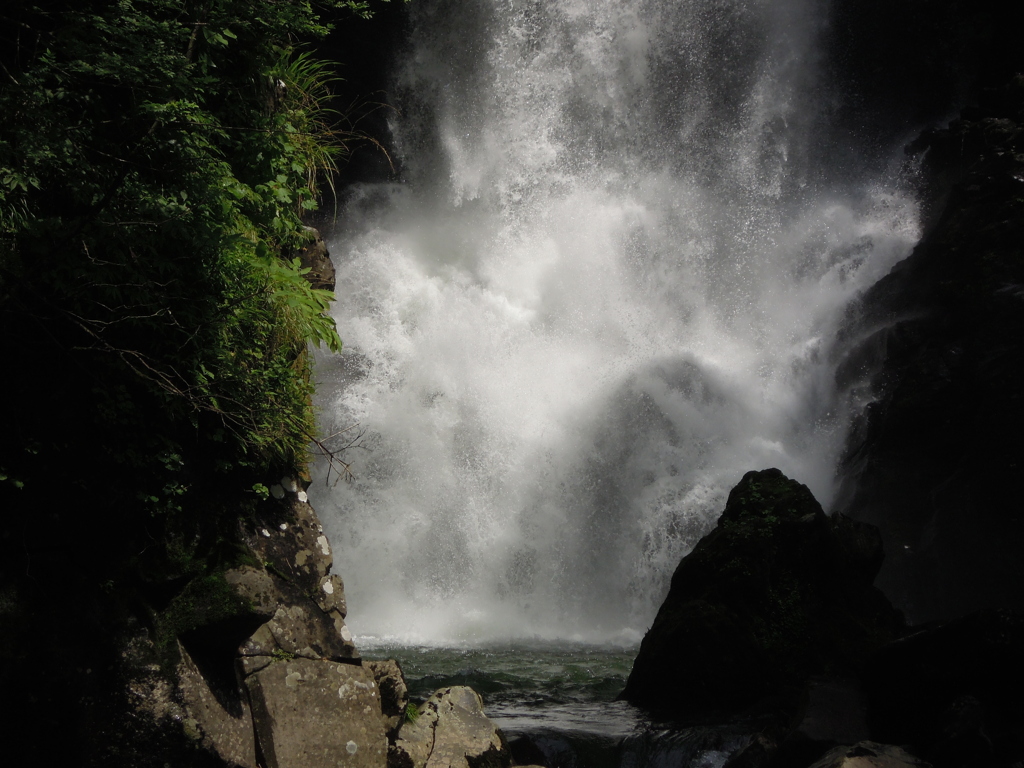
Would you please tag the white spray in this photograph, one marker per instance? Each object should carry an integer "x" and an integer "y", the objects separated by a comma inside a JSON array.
[{"x": 609, "y": 287}]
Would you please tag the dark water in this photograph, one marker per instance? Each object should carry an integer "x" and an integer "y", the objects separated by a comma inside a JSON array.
[{"x": 558, "y": 700}]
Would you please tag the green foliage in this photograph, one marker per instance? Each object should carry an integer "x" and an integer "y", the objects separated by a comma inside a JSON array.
[
  {"x": 412, "y": 713},
  {"x": 5, "y": 478},
  {"x": 153, "y": 325},
  {"x": 156, "y": 157},
  {"x": 315, "y": 142}
]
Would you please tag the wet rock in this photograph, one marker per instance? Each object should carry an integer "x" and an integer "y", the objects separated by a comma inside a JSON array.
[
  {"x": 451, "y": 731},
  {"x": 869, "y": 754},
  {"x": 777, "y": 592},
  {"x": 394, "y": 695},
  {"x": 684, "y": 747},
  {"x": 953, "y": 692},
  {"x": 313, "y": 714}
]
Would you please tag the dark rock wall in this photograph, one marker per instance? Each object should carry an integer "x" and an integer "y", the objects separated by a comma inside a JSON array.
[
  {"x": 954, "y": 691},
  {"x": 903, "y": 66},
  {"x": 935, "y": 347},
  {"x": 935, "y": 460}
]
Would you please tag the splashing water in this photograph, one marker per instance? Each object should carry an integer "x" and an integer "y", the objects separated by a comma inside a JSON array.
[{"x": 608, "y": 286}]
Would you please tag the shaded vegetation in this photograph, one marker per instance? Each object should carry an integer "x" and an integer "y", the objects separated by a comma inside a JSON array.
[
  {"x": 157, "y": 158},
  {"x": 154, "y": 164}
]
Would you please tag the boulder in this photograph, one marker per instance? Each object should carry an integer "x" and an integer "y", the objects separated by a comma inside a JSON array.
[
  {"x": 258, "y": 645},
  {"x": 869, "y": 754},
  {"x": 212, "y": 615},
  {"x": 777, "y": 592},
  {"x": 220, "y": 719},
  {"x": 315, "y": 714},
  {"x": 294, "y": 626},
  {"x": 296, "y": 630},
  {"x": 953, "y": 691},
  {"x": 160, "y": 716},
  {"x": 415, "y": 740},
  {"x": 451, "y": 731}
]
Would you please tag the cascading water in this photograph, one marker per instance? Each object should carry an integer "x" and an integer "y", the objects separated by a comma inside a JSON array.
[{"x": 608, "y": 285}]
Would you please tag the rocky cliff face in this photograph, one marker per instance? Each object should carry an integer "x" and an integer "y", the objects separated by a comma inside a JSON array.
[
  {"x": 254, "y": 667},
  {"x": 251, "y": 665},
  {"x": 265, "y": 673},
  {"x": 939, "y": 343},
  {"x": 210, "y": 633}
]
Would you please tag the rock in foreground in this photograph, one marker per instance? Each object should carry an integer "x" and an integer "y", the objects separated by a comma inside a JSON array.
[
  {"x": 868, "y": 754},
  {"x": 775, "y": 593},
  {"x": 451, "y": 731}
]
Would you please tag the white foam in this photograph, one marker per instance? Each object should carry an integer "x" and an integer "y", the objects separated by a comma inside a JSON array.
[{"x": 614, "y": 292}]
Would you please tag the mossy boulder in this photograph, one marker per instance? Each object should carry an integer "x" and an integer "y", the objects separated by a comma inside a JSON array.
[{"x": 775, "y": 593}]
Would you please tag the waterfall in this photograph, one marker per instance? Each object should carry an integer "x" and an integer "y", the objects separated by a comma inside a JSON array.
[{"x": 607, "y": 285}]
